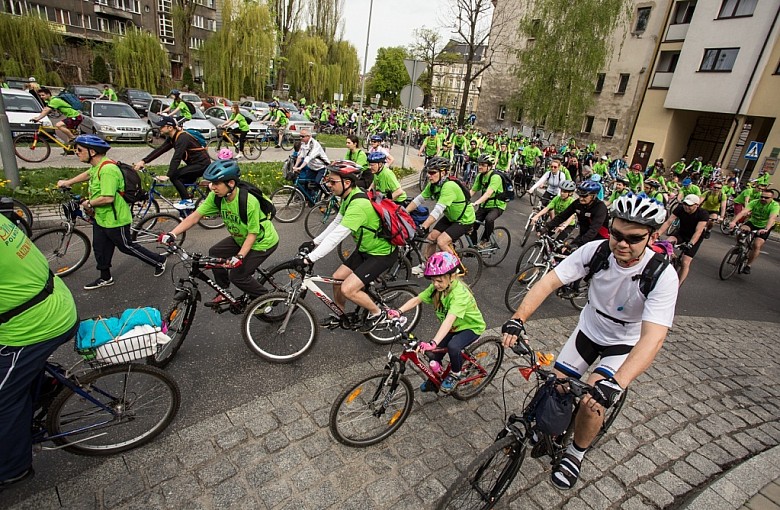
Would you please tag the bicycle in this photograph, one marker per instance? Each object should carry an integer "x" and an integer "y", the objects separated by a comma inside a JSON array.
[
  {"x": 290, "y": 201},
  {"x": 372, "y": 409},
  {"x": 320, "y": 215},
  {"x": 9, "y": 210},
  {"x": 197, "y": 189},
  {"x": 35, "y": 147},
  {"x": 22, "y": 211},
  {"x": 482, "y": 484},
  {"x": 114, "y": 407},
  {"x": 252, "y": 148},
  {"x": 736, "y": 258},
  {"x": 530, "y": 226},
  {"x": 279, "y": 327},
  {"x": 494, "y": 253},
  {"x": 270, "y": 138}
]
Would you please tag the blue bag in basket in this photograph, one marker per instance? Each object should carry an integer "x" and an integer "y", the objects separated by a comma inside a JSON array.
[{"x": 95, "y": 332}]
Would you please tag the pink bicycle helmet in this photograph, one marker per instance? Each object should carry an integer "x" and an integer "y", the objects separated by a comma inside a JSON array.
[
  {"x": 225, "y": 153},
  {"x": 441, "y": 263}
]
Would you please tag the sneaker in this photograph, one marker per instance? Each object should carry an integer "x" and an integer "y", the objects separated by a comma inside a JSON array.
[
  {"x": 566, "y": 473},
  {"x": 746, "y": 270},
  {"x": 100, "y": 282},
  {"x": 484, "y": 245},
  {"x": 706, "y": 234},
  {"x": 452, "y": 380},
  {"x": 27, "y": 473},
  {"x": 418, "y": 270},
  {"x": 427, "y": 386},
  {"x": 239, "y": 155},
  {"x": 160, "y": 270},
  {"x": 372, "y": 321},
  {"x": 277, "y": 146},
  {"x": 184, "y": 204},
  {"x": 331, "y": 321},
  {"x": 214, "y": 303}
]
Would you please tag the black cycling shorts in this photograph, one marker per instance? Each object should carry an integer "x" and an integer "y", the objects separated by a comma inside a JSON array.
[
  {"x": 763, "y": 236},
  {"x": 580, "y": 352},
  {"x": 452, "y": 229},
  {"x": 369, "y": 267}
]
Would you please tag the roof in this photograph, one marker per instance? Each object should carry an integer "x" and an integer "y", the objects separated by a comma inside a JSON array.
[{"x": 462, "y": 49}]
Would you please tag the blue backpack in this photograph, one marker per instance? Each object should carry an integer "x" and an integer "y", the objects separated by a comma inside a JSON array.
[
  {"x": 198, "y": 136},
  {"x": 71, "y": 99}
]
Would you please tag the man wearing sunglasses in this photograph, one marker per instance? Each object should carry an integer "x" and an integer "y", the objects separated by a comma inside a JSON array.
[
  {"x": 592, "y": 216},
  {"x": 763, "y": 215},
  {"x": 693, "y": 221},
  {"x": 621, "y": 327},
  {"x": 714, "y": 202}
]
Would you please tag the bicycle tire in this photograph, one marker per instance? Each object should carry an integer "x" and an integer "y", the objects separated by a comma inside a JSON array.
[
  {"x": 531, "y": 255},
  {"x": 260, "y": 328},
  {"x": 611, "y": 415},
  {"x": 31, "y": 149},
  {"x": 154, "y": 139},
  {"x": 178, "y": 320},
  {"x": 213, "y": 147},
  {"x": 358, "y": 405},
  {"x": 19, "y": 221},
  {"x": 496, "y": 254},
  {"x": 22, "y": 210},
  {"x": 290, "y": 204},
  {"x": 730, "y": 263},
  {"x": 280, "y": 278},
  {"x": 580, "y": 299},
  {"x": 393, "y": 298},
  {"x": 487, "y": 478},
  {"x": 287, "y": 142},
  {"x": 346, "y": 248},
  {"x": 724, "y": 224},
  {"x": 252, "y": 149},
  {"x": 528, "y": 229},
  {"x": 422, "y": 180},
  {"x": 139, "y": 210},
  {"x": 209, "y": 222},
  {"x": 319, "y": 217},
  {"x": 134, "y": 382},
  {"x": 521, "y": 283},
  {"x": 151, "y": 227},
  {"x": 471, "y": 262},
  {"x": 489, "y": 353},
  {"x": 400, "y": 271},
  {"x": 63, "y": 254}
]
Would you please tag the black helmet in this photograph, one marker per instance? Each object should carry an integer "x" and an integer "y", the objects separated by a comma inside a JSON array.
[{"x": 438, "y": 163}]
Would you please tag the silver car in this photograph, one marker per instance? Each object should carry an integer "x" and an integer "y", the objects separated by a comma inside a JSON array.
[
  {"x": 198, "y": 122},
  {"x": 258, "y": 108},
  {"x": 113, "y": 121},
  {"x": 220, "y": 114},
  {"x": 297, "y": 122}
]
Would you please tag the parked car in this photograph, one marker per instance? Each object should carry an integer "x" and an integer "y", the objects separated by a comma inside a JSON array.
[
  {"x": 84, "y": 92},
  {"x": 113, "y": 121},
  {"x": 258, "y": 108},
  {"x": 192, "y": 98},
  {"x": 298, "y": 122},
  {"x": 198, "y": 122},
  {"x": 137, "y": 98},
  {"x": 16, "y": 83},
  {"x": 21, "y": 106},
  {"x": 290, "y": 106},
  {"x": 219, "y": 114},
  {"x": 210, "y": 101}
]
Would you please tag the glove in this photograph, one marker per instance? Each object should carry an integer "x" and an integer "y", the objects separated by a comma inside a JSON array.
[
  {"x": 166, "y": 238},
  {"x": 426, "y": 346},
  {"x": 606, "y": 392},
  {"x": 513, "y": 327},
  {"x": 307, "y": 247},
  {"x": 686, "y": 246},
  {"x": 234, "y": 262},
  {"x": 421, "y": 232},
  {"x": 393, "y": 313},
  {"x": 302, "y": 264}
]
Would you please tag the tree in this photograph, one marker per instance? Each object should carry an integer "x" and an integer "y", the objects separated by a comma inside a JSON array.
[
  {"x": 286, "y": 17},
  {"x": 183, "y": 13},
  {"x": 325, "y": 19},
  {"x": 427, "y": 47},
  {"x": 389, "y": 73},
  {"x": 139, "y": 60},
  {"x": 26, "y": 43},
  {"x": 557, "y": 72},
  {"x": 99, "y": 69}
]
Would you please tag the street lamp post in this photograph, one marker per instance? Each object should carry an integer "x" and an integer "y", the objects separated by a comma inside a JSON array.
[
  {"x": 365, "y": 64},
  {"x": 311, "y": 82}
]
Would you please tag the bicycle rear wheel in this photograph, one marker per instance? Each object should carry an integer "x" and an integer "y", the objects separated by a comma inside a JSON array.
[
  {"x": 471, "y": 262},
  {"x": 520, "y": 285},
  {"x": 252, "y": 149},
  {"x": 277, "y": 331},
  {"x": 150, "y": 228},
  {"x": 289, "y": 203},
  {"x": 730, "y": 264},
  {"x": 531, "y": 255},
  {"x": 280, "y": 278},
  {"x": 393, "y": 298},
  {"x": 139, "y": 210},
  {"x": 30, "y": 148},
  {"x": 500, "y": 242},
  {"x": 66, "y": 249},
  {"x": 529, "y": 226},
  {"x": 178, "y": 319},
  {"x": 23, "y": 211},
  {"x": 319, "y": 217},
  {"x": 138, "y": 402},
  {"x": 481, "y": 363},
  {"x": 487, "y": 478},
  {"x": 209, "y": 222},
  {"x": 371, "y": 410}
]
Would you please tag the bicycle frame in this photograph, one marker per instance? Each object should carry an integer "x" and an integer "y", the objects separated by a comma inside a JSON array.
[
  {"x": 196, "y": 273},
  {"x": 153, "y": 193},
  {"x": 45, "y": 130}
]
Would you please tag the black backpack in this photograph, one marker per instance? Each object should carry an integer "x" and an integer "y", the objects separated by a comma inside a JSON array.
[
  {"x": 244, "y": 189},
  {"x": 134, "y": 190},
  {"x": 647, "y": 279},
  {"x": 506, "y": 182}
]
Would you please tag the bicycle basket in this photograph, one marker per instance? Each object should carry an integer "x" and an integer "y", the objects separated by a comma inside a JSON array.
[
  {"x": 552, "y": 410},
  {"x": 113, "y": 340}
]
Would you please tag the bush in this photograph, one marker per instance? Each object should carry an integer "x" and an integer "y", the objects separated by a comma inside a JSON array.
[{"x": 100, "y": 70}]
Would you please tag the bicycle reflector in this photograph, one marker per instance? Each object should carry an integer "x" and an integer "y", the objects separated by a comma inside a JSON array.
[{"x": 545, "y": 359}]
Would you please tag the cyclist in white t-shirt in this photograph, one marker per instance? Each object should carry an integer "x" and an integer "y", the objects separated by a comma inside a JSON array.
[{"x": 619, "y": 326}]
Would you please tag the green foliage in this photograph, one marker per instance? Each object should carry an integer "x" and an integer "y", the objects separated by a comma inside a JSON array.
[
  {"x": 557, "y": 73},
  {"x": 236, "y": 57},
  {"x": 186, "y": 79},
  {"x": 25, "y": 43},
  {"x": 314, "y": 68},
  {"x": 100, "y": 70},
  {"x": 183, "y": 12},
  {"x": 388, "y": 74},
  {"x": 139, "y": 61}
]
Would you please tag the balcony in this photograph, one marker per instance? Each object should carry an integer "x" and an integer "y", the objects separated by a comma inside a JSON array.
[
  {"x": 677, "y": 32},
  {"x": 661, "y": 80},
  {"x": 113, "y": 12}
]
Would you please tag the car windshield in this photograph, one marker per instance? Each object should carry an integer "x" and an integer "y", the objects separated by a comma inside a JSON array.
[
  {"x": 298, "y": 117},
  {"x": 194, "y": 98},
  {"x": 119, "y": 110},
  {"x": 87, "y": 91},
  {"x": 21, "y": 103},
  {"x": 197, "y": 114},
  {"x": 139, "y": 94}
]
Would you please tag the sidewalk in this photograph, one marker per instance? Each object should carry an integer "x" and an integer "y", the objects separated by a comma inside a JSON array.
[{"x": 709, "y": 402}]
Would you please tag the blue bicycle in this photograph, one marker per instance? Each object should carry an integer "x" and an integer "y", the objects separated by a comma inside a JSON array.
[
  {"x": 292, "y": 200},
  {"x": 152, "y": 205}
]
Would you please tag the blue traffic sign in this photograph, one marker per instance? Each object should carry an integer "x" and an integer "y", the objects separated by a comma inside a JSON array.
[{"x": 754, "y": 149}]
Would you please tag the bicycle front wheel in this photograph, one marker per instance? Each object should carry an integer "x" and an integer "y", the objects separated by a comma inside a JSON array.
[
  {"x": 520, "y": 285},
  {"x": 481, "y": 363},
  {"x": 278, "y": 331},
  {"x": 66, "y": 249},
  {"x": 139, "y": 210},
  {"x": 531, "y": 255},
  {"x": 423, "y": 180},
  {"x": 209, "y": 222},
  {"x": 610, "y": 416},
  {"x": 280, "y": 278},
  {"x": 471, "y": 265},
  {"x": 252, "y": 149},
  {"x": 214, "y": 146},
  {"x": 289, "y": 203},
  {"x": 30, "y": 148},
  {"x": 178, "y": 319},
  {"x": 393, "y": 298},
  {"x": 371, "y": 410},
  {"x": 528, "y": 228},
  {"x": 319, "y": 217},
  {"x": 580, "y": 298},
  {"x": 137, "y": 402},
  {"x": 487, "y": 478},
  {"x": 150, "y": 228},
  {"x": 730, "y": 263},
  {"x": 500, "y": 242},
  {"x": 23, "y": 211}
]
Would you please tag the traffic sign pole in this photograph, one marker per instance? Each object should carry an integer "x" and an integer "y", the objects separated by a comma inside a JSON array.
[{"x": 414, "y": 75}]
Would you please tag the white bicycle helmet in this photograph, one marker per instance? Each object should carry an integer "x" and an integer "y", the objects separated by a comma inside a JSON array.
[
  {"x": 568, "y": 186},
  {"x": 636, "y": 209}
]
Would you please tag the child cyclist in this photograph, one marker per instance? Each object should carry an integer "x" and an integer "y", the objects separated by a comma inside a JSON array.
[{"x": 456, "y": 308}]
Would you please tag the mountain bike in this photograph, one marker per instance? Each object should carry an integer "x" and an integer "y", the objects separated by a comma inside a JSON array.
[
  {"x": 270, "y": 139},
  {"x": 531, "y": 226},
  {"x": 154, "y": 196},
  {"x": 483, "y": 482},
  {"x": 280, "y": 327},
  {"x": 291, "y": 201},
  {"x": 736, "y": 258},
  {"x": 35, "y": 147},
  {"x": 225, "y": 139},
  {"x": 496, "y": 250},
  {"x": 372, "y": 409},
  {"x": 320, "y": 215}
]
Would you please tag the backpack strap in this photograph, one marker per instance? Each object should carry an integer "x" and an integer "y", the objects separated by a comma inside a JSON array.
[
  {"x": 353, "y": 197},
  {"x": 651, "y": 273},
  {"x": 599, "y": 261}
]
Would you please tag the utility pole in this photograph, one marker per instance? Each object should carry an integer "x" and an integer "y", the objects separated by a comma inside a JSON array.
[{"x": 363, "y": 77}]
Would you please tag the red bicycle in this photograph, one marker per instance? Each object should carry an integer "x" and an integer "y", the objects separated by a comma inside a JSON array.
[{"x": 372, "y": 409}]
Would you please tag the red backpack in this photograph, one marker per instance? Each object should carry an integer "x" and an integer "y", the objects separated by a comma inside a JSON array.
[{"x": 397, "y": 224}]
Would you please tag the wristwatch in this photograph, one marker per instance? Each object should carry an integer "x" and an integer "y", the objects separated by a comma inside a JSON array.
[{"x": 240, "y": 257}]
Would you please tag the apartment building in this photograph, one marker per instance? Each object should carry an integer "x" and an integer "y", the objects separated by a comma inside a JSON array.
[
  {"x": 448, "y": 85},
  {"x": 99, "y": 21}
]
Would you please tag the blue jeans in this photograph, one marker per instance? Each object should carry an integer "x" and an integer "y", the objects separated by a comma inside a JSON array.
[{"x": 455, "y": 343}]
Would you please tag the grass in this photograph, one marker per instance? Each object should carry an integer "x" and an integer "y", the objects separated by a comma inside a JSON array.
[{"x": 332, "y": 141}]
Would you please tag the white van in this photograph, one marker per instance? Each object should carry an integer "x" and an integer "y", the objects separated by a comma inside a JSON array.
[{"x": 21, "y": 106}]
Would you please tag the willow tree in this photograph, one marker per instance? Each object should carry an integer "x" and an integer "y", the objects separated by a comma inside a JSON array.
[
  {"x": 557, "y": 70},
  {"x": 236, "y": 56},
  {"x": 183, "y": 14},
  {"x": 325, "y": 18},
  {"x": 139, "y": 61},
  {"x": 307, "y": 64},
  {"x": 344, "y": 67},
  {"x": 287, "y": 17},
  {"x": 25, "y": 44}
]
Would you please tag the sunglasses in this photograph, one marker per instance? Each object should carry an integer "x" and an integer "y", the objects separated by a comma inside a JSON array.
[
  {"x": 718, "y": 187},
  {"x": 431, "y": 172},
  {"x": 619, "y": 237},
  {"x": 770, "y": 197}
]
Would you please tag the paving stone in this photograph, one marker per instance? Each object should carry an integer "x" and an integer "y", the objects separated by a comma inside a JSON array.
[
  {"x": 162, "y": 469},
  {"x": 321, "y": 496},
  {"x": 634, "y": 468},
  {"x": 144, "y": 501},
  {"x": 262, "y": 423},
  {"x": 317, "y": 445},
  {"x": 206, "y": 429},
  {"x": 249, "y": 411},
  {"x": 708, "y": 500},
  {"x": 545, "y": 494},
  {"x": 304, "y": 427},
  {"x": 593, "y": 497},
  {"x": 732, "y": 447},
  {"x": 287, "y": 414},
  {"x": 761, "y": 436},
  {"x": 232, "y": 494},
  {"x": 652, "y": 491},
  {"x": 749, "y": 442},
  {"x": 688, "y": 473},
  {"x": 231, "y": 437},
  {"x": 72, "y": 498},
  {"x": 180, "y": 490},
  {"x": 216, "y": 472},
  {"x": 429, "y": 489},
  {"x": 611, "y": 488},
  {"x": 575, "y": 503},
  {"x": 672, "y": 483},
  {"x": 196, "y": 454},
  {"x": 385, "y": 491},
  {"x": 727, "y": 490},
  {"x": 275, "y": 441},
  {"x": 635, "y": 503},
  {"x": 261, "y": 474},
  {"x": 273, "y": 492},
  {"x": 289, "y": 458}
]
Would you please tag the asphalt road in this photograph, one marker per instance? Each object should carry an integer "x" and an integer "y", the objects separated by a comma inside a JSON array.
[{"x": 216, "y": 371}]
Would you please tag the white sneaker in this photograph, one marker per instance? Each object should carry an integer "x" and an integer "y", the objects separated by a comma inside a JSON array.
[
  {"x": 418, "y": 270},
  {"x": 184, "y": 204},
  {"x": 239, "y": 155}
]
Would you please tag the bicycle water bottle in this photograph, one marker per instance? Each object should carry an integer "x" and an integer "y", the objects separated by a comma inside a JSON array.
[{"x": 436, "y": 367}]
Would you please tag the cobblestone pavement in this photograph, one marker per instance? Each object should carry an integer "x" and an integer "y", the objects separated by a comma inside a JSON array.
[{"x": 709, "y": 402}]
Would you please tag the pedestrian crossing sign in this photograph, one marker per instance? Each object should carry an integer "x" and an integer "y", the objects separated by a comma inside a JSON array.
[{"x": 754, "y": 149}]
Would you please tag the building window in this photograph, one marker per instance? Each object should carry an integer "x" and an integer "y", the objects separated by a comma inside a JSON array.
[
  {"x": 609, "y": 129},
  {"x": 102, "y": 24},
  {"x": 212, "y": 25},
  {"x": 135, "y": 6},
  {"x": 622, "y": 83},
  {"x": 62, "y": 16},
  {"x": 166, "y": 29},
  {"x": 719, "y": 59},
  {"x": 38, "y": 10},
  {"x": 198, "y": 21},
  {"x": 121, "y": 27},
  {"x": 600, "y": 82},
  {"x": 210, "y": 4},
  {"x": 196, "y": 43},
  {"x": 17, "y": 7},
  {"x": 667, "y": 62},
  {"x": 79, "y": 20},
  {"x": 737, "y": 8},
  {"x": 683, "y": 12},
  {"x": 587, "y": 126},
  {"x": 642, "y": 17},
  {"x": 519, "y": 116},
  {"x": 501, "y": 112},
  {"x": 101, "y": 2},
  {"x": 164, "y": 6}
]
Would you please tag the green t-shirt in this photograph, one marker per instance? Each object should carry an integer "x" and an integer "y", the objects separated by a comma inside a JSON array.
[
  {"x": 636, "y": 181},
  {"x": 184, "y": 110},
  {"x": 107, "y": 181},
  {"x": 760, "y": 213},
  {"x": 678, "y": 167},
  {"x": 282, "y": 119},
  {"x": 460, "y": 302},
  {"x": 728, "y": 190},
  {"x": 502, "y": 160},
  {"x": 25, "y": 271},
  {"x": 243, "y": 125},
  {"x": 110, "y": 94},
  {"x": 558, "y": 204},
  {"x": 494, "y": 182},
  {"x": 386, "y": 182},
  {"x": 62, "y": 106},
  {"x": 711, "y": 201},
  {"x": 600, "y": 169},
  {"x": 451, "y": 197},
  {"x": 431, "y": 146},
  {"x": 459, "y": 141},
  {"x": 257, "y": 222},
  {"x": 361, "y": 218},
  {"x": 747, "y": 195},
  {"x": 691, "y": 189},
  {"x": 530, "y": 153},
  {"x": 616, "y": 194},
  {"x": 358, "y": 157}
]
